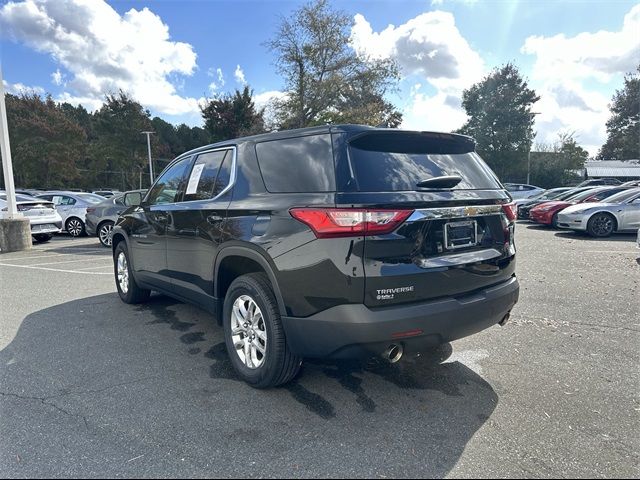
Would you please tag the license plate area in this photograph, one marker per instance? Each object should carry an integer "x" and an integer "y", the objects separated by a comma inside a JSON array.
[{"x": 460, "y": 234}]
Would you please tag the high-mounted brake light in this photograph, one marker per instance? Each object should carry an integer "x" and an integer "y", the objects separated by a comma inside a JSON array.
[
  {"x": 338, "y": 222},
  {"x": 511, "y": 211}
]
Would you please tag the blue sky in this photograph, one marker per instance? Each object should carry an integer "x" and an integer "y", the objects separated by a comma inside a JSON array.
[{"x": 170, "y": 54}]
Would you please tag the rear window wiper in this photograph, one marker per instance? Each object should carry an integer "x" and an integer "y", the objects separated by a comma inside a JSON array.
[{"x": 445, "y": 181}]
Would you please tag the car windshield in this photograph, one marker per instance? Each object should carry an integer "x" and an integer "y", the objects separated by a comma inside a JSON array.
[
  {"x": 622, "y": 196},
  {"x": 586, "y": 194},
  {"x": 90, "y": 197},
  {"x": 573, "y": 193},
  {"x": 548, "y": 195}
]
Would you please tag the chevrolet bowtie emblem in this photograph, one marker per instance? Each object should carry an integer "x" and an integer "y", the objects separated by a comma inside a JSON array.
[{"x": 470, "y": 211}]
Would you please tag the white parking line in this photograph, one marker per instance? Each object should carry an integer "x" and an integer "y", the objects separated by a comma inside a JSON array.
[
  {"x": 65, "y": 261},
  {"x": 93, "y": 268},
  {"x": 46, "y": 256},
  {"x": 54, "y": 269}
]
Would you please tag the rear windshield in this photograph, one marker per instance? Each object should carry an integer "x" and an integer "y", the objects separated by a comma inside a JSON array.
[
  {"x": 399, "y": 165},
  {"x": 91, "y": 198}
]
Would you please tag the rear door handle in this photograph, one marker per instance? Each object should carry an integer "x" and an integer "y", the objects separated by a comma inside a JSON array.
[{"x": 212, "y": 219}]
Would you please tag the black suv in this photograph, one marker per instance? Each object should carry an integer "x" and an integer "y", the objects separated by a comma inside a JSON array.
[{"x": 334, "y": 241}]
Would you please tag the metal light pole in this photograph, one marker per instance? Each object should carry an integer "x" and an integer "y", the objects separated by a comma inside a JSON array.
[
  {"x": 15, "y": 229},
  {"x": 149, "y": 150},
  {"x": 533, "y": 114},
  {"x": 7, "y": 165}
]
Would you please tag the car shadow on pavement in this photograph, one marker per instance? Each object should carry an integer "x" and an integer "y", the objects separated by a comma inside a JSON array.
[
  {"x": 616, "y": 237},
  {"x": 96, "y": 387}
]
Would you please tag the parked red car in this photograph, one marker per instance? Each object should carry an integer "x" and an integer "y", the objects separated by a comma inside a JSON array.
[{"x": 547, "y": 213}]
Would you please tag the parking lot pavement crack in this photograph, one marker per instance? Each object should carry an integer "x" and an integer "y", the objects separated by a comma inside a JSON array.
[
  {"x": 103, "y": 389},
  {"x": 45, "y": 401}
]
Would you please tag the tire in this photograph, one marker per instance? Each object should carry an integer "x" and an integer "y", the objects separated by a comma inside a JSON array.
[
  {"x": 104, "y": 233},
  {"x": 601, "y": 225},
  {"x": 275, "y": 365},
  {"x": 128, "y": 289},
  {"x": 42, "y": 237},
  {"x": 554, "y": 220},
  {"x": 74, "y": 227}
]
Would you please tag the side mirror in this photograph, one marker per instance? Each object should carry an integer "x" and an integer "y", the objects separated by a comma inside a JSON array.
[{"x": 132, "y": 199}]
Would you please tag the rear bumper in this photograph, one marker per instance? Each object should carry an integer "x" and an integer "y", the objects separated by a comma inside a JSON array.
[
  {"x": 90, "y": 226},
  {"x": 353, "y": 330}
]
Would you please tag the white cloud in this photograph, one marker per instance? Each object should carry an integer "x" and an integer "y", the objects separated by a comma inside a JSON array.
[
  {"x": 104, "y": 51},
  {"x": 57, "y": 77},
  {"x": 21, "y": 88},
  {"x": 428, "y": 47},
  {"x": 563, "y": 64},
  {"x": 598, "y": 55},
  {"x": 239, "y": 76}
]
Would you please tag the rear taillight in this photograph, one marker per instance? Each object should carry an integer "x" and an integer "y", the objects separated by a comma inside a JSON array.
[
  {"x": 338, "y": 222},
  {"x": 511, "y": 211}
]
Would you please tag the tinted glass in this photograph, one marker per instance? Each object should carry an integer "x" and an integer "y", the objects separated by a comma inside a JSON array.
[
  {"x": 203, "y": 181},
  {"x": 583, "y": 195},
  {"x": 303, "y": 164},
  {"x": 63, "y": 200},
  {"x": 167, "y": 188},
  {"x": 623, "y": 196},
  {"x": 377, "y": 171},
  {"x": 90, "y": 198},
  {"x": 605, "y": 194}
]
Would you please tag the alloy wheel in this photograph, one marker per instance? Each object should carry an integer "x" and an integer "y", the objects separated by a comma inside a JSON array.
[
  {"x": 122, "y": 270},
  {"x": 602, "y": 225},
  {"x": 105, "y": 234},
  {"x": 74, "y": 227},
  {"x": 248, "y": 332}
]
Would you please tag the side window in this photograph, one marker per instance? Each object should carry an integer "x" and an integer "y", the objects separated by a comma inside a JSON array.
[
  {"x": 302, "y": 164},
  {"x": 167, "y": 187},
  {"x": 65, "y": 200},
  {"x": 205, "y": 180}
]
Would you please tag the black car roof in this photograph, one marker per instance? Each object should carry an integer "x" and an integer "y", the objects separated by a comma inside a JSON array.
[{"x": 323, "y": 129}]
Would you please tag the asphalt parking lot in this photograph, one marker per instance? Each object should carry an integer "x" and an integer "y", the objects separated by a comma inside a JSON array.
[{"x": 92, "y": 387}]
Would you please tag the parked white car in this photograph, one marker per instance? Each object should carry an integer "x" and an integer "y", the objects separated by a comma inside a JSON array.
[
  {"x": 617, "y": 213},
  {"x": 72, "y": 207},
  {"x": 42, "y": 215},
  {"x": 522, "y": 190}
]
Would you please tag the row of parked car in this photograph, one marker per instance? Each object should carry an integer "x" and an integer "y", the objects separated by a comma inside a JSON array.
[
  {"x": 77, "y": 213},
  {"x": 597, "y": 210}
]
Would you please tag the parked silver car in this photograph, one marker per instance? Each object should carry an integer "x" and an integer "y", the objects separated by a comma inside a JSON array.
[
  {"x": 42, "y": 215},
  {"x": 72, "y": 207},
  {"x": 101, "y": 217},
  {"x": 521, "y": 190},
  {"x": 618, "y": 213}
]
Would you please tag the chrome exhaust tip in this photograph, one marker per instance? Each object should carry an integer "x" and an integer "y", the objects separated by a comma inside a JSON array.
[
  {"x": 504, "y": 320},
  {"x": 393, "y": 353}
]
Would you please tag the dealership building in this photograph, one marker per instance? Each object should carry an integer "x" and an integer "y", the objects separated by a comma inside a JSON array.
[{"x": 623, "y": 170}]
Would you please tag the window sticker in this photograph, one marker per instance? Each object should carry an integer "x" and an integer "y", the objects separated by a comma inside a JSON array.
[{"x": 195, "y": 178}]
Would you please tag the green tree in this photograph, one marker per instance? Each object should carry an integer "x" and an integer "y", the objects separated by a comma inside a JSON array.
[
  {"x": 120, "y": 148},
  {"x": 233, "y": 115},
  {"x": 191, "y": 137},
  {"x": 501, "y": 121},
  {"x": 166, "y": 139},
  {"x": 554, "y": 165},
  {"x": 325, "y": 79},
  {"x": 623, "y": 128},
  {"x": 46, "y": 145}
]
